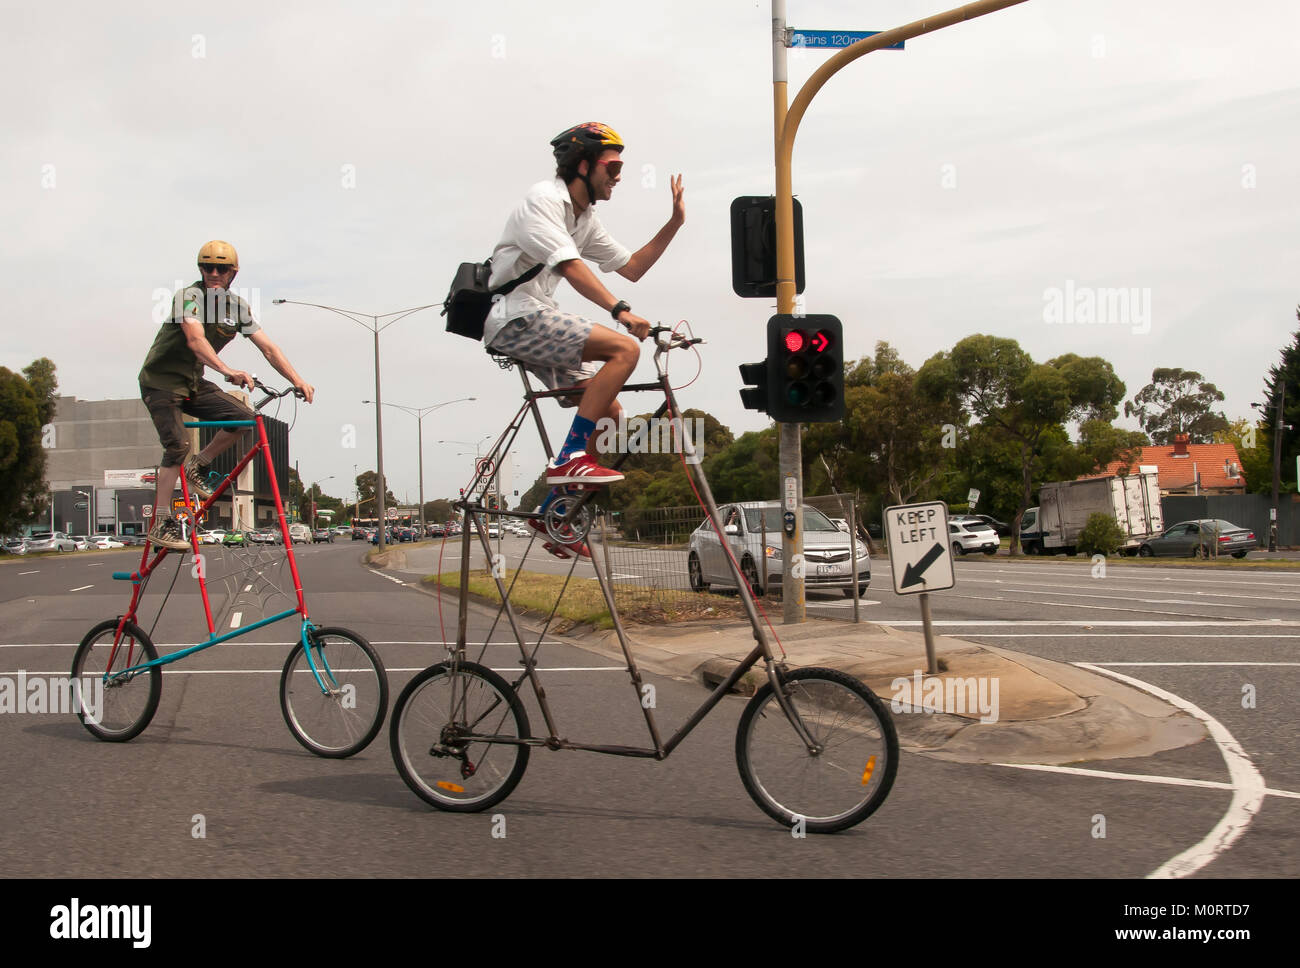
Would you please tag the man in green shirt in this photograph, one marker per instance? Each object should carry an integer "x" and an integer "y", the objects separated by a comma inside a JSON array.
[{"x": 204, "y": 318}]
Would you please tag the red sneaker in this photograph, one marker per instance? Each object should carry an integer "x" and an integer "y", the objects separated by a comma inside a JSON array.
[
  {"x": 560, "y": 551},
  {"x": 580, "y": 469}
]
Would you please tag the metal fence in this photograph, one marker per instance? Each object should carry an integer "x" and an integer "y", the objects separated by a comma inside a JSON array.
[{"x": 1244, "y": 510}]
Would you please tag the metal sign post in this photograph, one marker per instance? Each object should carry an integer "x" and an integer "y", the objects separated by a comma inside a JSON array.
[{"x": 920, "y": 559}]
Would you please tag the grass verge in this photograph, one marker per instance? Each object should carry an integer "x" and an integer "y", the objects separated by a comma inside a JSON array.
[{"x": 583, "y": 603}]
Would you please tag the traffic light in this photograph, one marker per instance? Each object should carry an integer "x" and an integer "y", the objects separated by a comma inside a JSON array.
[
  {"x": 805, "y": 369},
  {"x": 754, "y": 394},
  {"x": 753, "y": 246}
]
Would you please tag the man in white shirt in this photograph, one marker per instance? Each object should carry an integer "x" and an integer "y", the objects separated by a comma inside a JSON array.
[{"x": 556, "y": 226}]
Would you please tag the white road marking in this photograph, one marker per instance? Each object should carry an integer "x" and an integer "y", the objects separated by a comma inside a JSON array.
[
  {"x": 248, "y": 588},
  {"x": 1111, "y": 623},
  {"x": 36, "y": 572},
  {"x": 1205, "y": 663},
  {"x": 172, "y": 670},
  {"x": 1248, "y": 789},
  {"x": 81, "y": 589},
  {"x": 97, "y": 564},
  {"x": 1113, "y": 583},
  {"x": 1141, "y": 778},
  {"x": 235, "y": 620},
  {"x": 1133, "y": 635}
]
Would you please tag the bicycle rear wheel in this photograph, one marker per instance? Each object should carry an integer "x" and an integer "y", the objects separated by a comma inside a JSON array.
[
  {"x": 845, "y": 779},
  {"x": 343, "y": 718},
  {"x": 452, "y": 733},
  {"x": 115, "y": 708}
]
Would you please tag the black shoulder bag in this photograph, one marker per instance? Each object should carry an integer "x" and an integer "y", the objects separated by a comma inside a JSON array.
[{"x": 470, "y": 300}]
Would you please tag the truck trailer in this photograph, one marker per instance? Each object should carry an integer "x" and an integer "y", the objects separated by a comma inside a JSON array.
[{"x": 1065, "y": 506}]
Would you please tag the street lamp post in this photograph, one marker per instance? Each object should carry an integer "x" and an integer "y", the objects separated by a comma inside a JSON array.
[
  {"x": 1277, "y": 458},
  {"x": 419, "y": 414},
  {"x": 315, "y": 500},
  {"x": 375, "y": 327}
]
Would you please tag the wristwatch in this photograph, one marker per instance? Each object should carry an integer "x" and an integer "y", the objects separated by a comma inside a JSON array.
[{"x": 620, "y": 307}]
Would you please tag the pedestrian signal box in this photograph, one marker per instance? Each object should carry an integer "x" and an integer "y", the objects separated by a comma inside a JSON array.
[{"x": 753, "y": 246}]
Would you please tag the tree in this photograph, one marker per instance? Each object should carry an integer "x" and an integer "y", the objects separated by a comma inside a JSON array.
[
  {"x": 27, "y": 404},
  {"x": 367, "y": 489},
  {"x": 1021, "y": 406},
  {"x": 437, "y": 511},
  {"x": 1254, "y": 444},
  {"x": 1178, "y": 401},
  {"x": 893, "y": 439},
  {"x": 1285, "y": 375}
]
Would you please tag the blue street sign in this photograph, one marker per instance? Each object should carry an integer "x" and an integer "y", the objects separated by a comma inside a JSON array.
[{"x": 828, "y": 39}]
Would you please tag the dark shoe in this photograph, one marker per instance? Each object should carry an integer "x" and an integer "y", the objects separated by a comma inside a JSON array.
[
  {"x": 167, "y": 534},
  {"x": 196, "y": 476}
]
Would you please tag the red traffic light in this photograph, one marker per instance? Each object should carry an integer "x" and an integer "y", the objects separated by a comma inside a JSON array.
[
  {"x": 821, "y": 341},
  {"x": 794, "y": 340}
]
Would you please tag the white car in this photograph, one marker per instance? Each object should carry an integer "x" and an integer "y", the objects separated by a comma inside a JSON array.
[
  {"x": 827, "y": 553},
  {"x": 214, "y": 536},
  {"x": 50, "y": 541},
  {"x": 105, "y": 542},
  {"x": 970, "y": 534}
]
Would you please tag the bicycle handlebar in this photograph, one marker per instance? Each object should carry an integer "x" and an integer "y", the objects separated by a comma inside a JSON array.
[
  {"x": 273, "y": 394},
  {"x": 675, "y": 341}
]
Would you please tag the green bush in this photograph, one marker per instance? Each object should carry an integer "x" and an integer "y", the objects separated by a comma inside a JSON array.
[{"x": 1102, "y": 535}]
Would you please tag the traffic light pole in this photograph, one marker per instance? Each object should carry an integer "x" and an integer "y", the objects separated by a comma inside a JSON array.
[{"x": 785, "y": 126}]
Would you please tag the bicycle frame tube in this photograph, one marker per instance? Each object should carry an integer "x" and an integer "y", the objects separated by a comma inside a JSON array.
[
  {"x": 171, "y": 657},
  {"x": 761, "y": 650}
]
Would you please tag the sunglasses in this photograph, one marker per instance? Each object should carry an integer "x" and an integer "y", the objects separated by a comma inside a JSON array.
[
  {"x": 210, "y": 267},
  {"x": 613, "y": 167}
]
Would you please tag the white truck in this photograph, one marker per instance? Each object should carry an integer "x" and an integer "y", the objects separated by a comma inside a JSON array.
[{"x": 1065, "y": 506}]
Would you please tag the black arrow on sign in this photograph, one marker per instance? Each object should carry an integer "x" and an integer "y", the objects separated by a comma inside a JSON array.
[{"x": 912, "y": 573}]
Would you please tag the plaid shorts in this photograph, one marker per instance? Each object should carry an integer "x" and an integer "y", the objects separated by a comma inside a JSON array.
[{"x": 549, "y": 343}]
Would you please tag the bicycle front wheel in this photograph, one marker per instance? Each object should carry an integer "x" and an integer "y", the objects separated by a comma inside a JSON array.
[
  {"x": 454, "y": 737},
  {"x": 114, "y": 707},
  {"x": 345, "y": 715},
  {"x": 848, "y": 774}
]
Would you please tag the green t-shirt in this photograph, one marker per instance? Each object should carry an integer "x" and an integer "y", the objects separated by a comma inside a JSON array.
[{"x": 171, "y": 364}]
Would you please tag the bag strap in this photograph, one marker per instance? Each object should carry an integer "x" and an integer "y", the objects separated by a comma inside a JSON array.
[{"x": 509, "y": 287}]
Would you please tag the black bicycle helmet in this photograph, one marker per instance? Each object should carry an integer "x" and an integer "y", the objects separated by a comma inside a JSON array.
[{"x": 583, "y": 141}]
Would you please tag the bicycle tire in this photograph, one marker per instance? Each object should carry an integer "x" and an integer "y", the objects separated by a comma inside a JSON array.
[
  {"x": 344, "y": 721},
  {"x": 433, "y": 760},
  {"x": 844, "y": 783},
  {"x": 126, "y": 705}
]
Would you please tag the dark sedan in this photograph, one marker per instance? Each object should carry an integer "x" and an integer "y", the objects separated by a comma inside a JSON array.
[
  {"x": 322, "y": 534},
  {"x": 1200, "y": 539}
]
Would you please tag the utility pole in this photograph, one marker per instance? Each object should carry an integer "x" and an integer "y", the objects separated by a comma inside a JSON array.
[{"x": 786, "y": 125}]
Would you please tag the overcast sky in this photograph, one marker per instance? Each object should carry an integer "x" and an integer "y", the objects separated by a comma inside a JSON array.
[{"x": 986, "y": 177}]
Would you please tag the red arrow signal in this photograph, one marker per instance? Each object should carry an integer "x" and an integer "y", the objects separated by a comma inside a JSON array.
[{"x": 820, "y": 342}]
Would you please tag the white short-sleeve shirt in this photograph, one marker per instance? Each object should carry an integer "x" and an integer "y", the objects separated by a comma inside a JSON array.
[{"x": 543, "y": 229}]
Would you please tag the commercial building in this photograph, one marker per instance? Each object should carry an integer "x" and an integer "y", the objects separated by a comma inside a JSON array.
[{"x": 94, "y": 442}]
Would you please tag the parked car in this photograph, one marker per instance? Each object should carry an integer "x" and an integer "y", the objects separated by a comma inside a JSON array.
[
  {"x": 237, "y": 538},
  {"x": 1198, "y": 538},
  {"x": 1001, "y": 528},
  {"x": 50, "y": 541},
  {"x": 322, "y": 534},
  {"x": 299, "y": 533},
  {"x": 81, "y": 541},
  {"x": 105, "y": 542},
  {"x": 827, "y": 554},
  {"x": 971, "y": 534},
  {"x": 15, "y": 546},
  {"x": 212, "y": 536},
  {"x": 131, "y": 540}
]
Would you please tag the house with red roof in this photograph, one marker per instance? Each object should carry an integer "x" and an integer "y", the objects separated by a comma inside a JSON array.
[{"x": 1217, "y": 467}]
